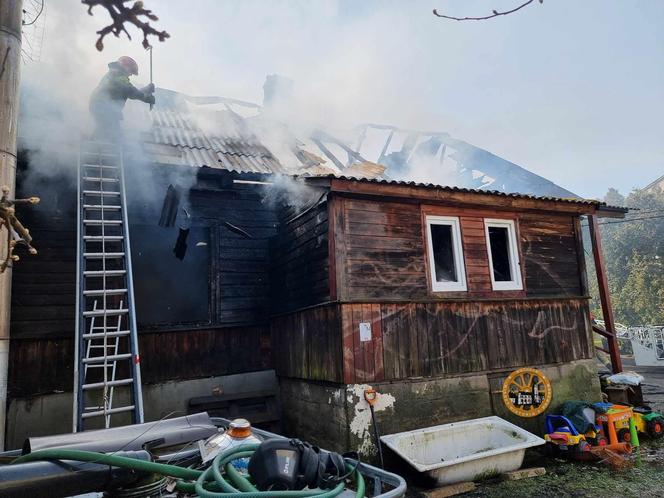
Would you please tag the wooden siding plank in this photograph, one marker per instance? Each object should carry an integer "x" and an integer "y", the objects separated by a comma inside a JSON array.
[
  {"x": 421, "y": 331},
  {"x": 358, "y": 353},
  {"x": 391, "y": 363},
  {"x": 300, "y": 266},
  {"x": 368, "y": 349},
  {"x": 348, "y": 344},
  {"x": 376, "y": 326}
]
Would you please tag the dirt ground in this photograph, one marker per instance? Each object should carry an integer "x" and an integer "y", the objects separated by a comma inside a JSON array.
[{"x": 645, "y": 478}]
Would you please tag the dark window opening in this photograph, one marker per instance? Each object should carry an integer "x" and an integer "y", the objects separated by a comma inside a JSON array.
[
  {"x": 169, "y": 290},
  {"x": 500, "y": 254},
  {"x": 443, "y": 253}
]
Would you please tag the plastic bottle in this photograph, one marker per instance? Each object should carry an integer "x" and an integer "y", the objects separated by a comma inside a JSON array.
[{"x": 238, "y": 433}]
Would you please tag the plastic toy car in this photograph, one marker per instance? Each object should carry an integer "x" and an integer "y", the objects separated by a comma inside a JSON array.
[
  {"x": 609, "y": 422},
  {"x": 562, "y": 436},
  {"x": 646, "y": 422}
]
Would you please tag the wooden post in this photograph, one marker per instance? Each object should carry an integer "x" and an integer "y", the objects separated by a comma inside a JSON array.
[
  {"x": 10, "y": 57},
  {"x": 605, "y": 298}
]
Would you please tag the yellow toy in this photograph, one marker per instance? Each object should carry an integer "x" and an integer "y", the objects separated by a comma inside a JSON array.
[{"x": 646, "y": 421}]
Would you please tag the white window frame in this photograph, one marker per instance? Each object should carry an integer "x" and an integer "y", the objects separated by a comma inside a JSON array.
[
  {"x": 513, "y": 247},
  {"x": 457, "y": 250}
]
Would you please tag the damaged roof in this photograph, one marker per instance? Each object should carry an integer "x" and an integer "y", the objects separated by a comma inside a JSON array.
[
  {"x": 239, "y": 136},
  {"x": 176, "y": 138}
]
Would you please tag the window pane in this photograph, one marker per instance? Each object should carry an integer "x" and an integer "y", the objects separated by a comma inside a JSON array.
[
  {"x": 443, "y": 253},
  {"x": 500, "y": 254}
]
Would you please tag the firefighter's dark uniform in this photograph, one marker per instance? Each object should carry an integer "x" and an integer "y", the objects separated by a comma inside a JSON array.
[{"x": 108, "y": 99}]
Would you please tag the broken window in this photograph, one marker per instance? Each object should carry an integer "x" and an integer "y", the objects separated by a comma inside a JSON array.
[
  {"x": 171, "y": 279},
  {"x": 445, "y": 254},
  {"x": 503, "y": 255}
]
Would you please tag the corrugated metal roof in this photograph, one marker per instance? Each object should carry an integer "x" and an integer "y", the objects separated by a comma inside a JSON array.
[
  {"x": 235, "y": 150},
  {"x": 194, "y": 132},
  {"x": 447, "y": 188}
]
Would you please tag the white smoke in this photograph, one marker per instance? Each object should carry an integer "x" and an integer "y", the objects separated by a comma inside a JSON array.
[{"x": 387, "y": 62}]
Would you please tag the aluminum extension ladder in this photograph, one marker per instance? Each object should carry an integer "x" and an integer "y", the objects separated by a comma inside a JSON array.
[{"x": 107, "y": 373}]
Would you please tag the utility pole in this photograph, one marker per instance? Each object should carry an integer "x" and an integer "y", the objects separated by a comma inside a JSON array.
[{"x": 11, "y": 14}]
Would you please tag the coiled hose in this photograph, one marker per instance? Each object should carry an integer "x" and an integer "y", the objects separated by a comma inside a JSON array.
[{"x": 209, "y": 483}]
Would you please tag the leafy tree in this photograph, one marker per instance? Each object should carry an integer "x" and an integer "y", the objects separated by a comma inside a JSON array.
[{"x": 634, "y": 254}]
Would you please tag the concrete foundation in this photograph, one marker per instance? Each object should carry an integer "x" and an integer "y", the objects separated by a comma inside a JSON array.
[
  {"x": 52, "y": 413},
  {"x": 335, "y": 417},
  {"x": 338, "y": 417}
]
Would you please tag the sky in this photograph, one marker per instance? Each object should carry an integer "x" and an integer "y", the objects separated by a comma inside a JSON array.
[{"x": 573, "y": 91}]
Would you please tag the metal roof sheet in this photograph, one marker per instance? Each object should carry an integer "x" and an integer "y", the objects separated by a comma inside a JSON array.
[
  {"x": 233, "y": 149},
  {"x": 189, "y": 131},
  {"x": 447, "y": 188}
]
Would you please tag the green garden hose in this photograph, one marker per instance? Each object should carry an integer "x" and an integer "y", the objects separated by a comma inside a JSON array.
[
  {"x": 209, "y": 483},
  {"x": 114, "y": 460}
]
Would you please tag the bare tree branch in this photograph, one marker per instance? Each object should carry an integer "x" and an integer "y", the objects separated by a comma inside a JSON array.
[
  {"x": 121, "y": 14},
  {"x": 495, "y": 13}
]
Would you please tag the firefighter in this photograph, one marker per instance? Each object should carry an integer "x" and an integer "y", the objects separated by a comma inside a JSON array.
[{"x": 108, "y": 99}]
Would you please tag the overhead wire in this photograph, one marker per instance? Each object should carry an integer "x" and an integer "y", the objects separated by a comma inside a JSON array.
[
  {"x": 637, "y": 211},
  {"x": 645, "y": 218}
]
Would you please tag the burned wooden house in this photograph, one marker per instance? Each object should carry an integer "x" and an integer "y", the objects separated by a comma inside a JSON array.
[{"x": 311, "y": 285}]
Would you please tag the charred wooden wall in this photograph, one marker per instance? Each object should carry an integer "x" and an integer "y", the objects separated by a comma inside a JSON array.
[
  {"x": 40, "y": 366},
  {"x": 241, "y": 280},
  {"x": 300, "y": 262},
  {"x": 305, "y": 340},
  {"x": 43, "y": 286},
  {"x": 307, "y": 344},
  {"x": 235, "y": 340}
]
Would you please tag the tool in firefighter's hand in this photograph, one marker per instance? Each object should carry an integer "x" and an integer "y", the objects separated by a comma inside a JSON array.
[
  {"x": 370, "y": 396},
  {"x": 16, "y": 232}
]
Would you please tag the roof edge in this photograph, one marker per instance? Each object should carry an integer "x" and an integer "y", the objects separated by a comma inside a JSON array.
[{"x": 437, "y": 193}]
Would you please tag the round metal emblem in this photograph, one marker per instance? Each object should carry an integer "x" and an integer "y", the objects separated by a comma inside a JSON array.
[{"x": 527, "y": 392}]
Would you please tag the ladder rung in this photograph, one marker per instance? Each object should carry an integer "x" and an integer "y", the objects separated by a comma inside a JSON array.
[
  {"x": 102, "y": 166},
  {"x": 101, "y": 335},
  {"x": 100, "y": 192},
  {"x": 102, "y": 222},
  {"x": 101, "y": 413},
  {"x": 107, "y": 358},
  {"x": 99, "y": 179},
  {"x": 102, "y": 255},
  {"x": 110, "y": 383},
  {"x": 107, "y": 292},
  {"x": 99, "y": 238},
  {"x": 107, "y": 154},
  {"x": 99, "y": 207},
  {"x": 96, "y": 142},
  {"x": 123, "y": 311},
  {"x": 101, "y": 273}
]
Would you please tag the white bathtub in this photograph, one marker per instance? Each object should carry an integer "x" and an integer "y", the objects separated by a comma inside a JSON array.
[{"x": 464, "y": 451}]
